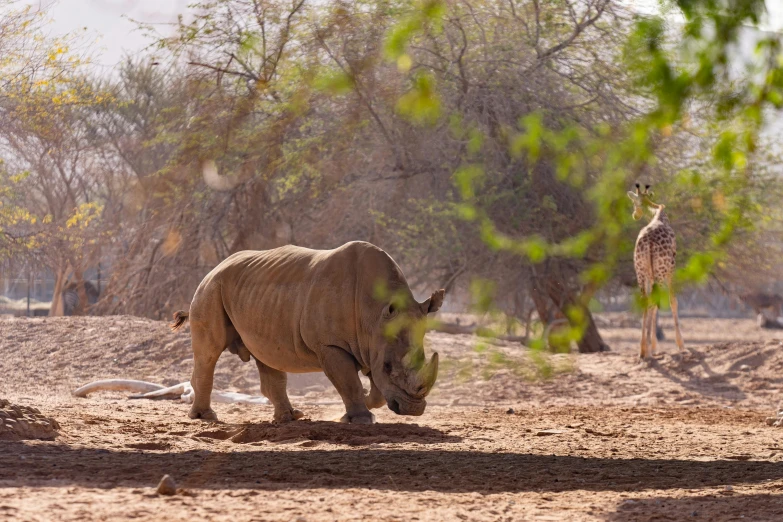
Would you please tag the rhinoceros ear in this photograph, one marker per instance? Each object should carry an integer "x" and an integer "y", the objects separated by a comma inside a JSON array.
[{"x": 433, "y": 304}]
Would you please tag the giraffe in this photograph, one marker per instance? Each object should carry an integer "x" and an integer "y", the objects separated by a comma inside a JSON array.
[{"x": 653, "y": 259}]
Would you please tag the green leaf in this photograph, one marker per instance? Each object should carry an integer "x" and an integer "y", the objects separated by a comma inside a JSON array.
[
  {"x": 334, "y": 81},
  {"x": 421, "y": 103},
  {"x": 468, "y": 178}
]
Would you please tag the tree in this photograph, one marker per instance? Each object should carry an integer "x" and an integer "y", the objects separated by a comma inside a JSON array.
[
  {"x": 40, "y": 90},
  {"x": 487, "y": 144},
  {"x": 654, "y": 106}
]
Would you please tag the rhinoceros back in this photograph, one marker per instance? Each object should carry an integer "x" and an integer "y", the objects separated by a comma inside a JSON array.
[{"x": 286, "y": 302}]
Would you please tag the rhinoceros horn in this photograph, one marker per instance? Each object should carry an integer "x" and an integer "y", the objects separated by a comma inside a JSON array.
[
  {"x": 425, "y": 372},
  {"x": 428, "y": 373}
]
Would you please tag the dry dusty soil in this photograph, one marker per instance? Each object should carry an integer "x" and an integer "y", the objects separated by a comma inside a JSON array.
[{"x": 505, "y": 437}]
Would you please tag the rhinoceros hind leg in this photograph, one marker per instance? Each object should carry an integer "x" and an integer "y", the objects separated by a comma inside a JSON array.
[
  {"x": 210, "y": 333},
  {"x": 288, "y": 416},
  {"x": 205, "y": 415},
  {"x": 202, "y": 379},
  {"x": 273, "y": 386}
]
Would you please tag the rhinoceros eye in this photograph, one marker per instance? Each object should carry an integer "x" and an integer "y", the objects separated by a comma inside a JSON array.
[{"x": 387, "y": 368}]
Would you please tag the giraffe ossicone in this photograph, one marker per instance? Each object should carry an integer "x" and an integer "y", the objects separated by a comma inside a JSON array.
[{"x": 654, "y": 260}]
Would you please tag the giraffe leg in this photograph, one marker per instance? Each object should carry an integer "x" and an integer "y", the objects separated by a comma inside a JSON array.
[
  {"x": 649, "y": 326},
  {"x": 675, "y": 315},
  {"x": 651, "y": 332},
  {"x": 643, "y": 343}
]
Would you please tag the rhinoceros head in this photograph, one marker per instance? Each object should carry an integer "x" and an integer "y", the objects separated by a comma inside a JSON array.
[{"x": 400, "y": 369}]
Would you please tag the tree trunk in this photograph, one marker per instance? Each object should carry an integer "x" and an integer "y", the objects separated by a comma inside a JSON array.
[
  {"x": 56, "y": 308},
  {"x": 81, "y": 291},
  {"x": 541, "y": 305},
  {"x": 591, "y": 341},
  {"x": 564, "y": 298}
]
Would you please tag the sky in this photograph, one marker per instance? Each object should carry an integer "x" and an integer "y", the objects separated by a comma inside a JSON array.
[{"x": 109, "y": 21}]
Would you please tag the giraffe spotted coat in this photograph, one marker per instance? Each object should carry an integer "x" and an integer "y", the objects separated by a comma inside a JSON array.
[{"x": 655, "y": 253}]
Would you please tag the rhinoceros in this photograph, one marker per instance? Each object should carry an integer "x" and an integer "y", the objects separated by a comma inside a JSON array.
[{"x": 299, "y": 310}]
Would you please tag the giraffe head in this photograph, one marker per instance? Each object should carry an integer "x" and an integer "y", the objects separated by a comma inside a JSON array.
[{"x": 642, "y": 199}]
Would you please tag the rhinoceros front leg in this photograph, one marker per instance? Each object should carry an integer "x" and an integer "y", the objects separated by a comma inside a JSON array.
[
  {"x": 340, "y": 367},
  {"x": 273, "y": 386},
  {"x": 375, "y": 398}
]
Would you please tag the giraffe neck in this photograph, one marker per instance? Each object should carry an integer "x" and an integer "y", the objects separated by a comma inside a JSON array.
[{"x": 660, "y": 215}]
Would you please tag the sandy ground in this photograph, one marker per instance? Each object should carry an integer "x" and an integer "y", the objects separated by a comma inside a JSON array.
[{"x": 506, "y": 436}]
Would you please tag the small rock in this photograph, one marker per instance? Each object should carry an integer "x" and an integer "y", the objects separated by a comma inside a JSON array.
[
  {"x": 510, "y": 411},
  {"x": 167, "y": 486},
  {"x": 728, "y": 488},
  {"x": 744, "y": 368}
]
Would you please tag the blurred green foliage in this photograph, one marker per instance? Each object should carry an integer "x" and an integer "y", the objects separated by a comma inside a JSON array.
[{"x": 677, "y": 70}]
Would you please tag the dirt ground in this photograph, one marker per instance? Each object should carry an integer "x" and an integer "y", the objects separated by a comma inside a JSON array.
[{"x": 505, "y": 436}]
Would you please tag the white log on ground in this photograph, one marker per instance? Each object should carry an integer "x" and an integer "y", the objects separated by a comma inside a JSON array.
[
  {"x": 117, "y": 385},
  {"x": 149, "y": 390}
]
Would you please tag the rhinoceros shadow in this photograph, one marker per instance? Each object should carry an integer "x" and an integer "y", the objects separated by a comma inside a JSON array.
[
  {"x": 297, "y": 466},
  {"x": 312, "y": 433}
]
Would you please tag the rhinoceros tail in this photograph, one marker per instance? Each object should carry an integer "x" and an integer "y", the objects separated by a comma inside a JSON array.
[{"x": 179, "y": 319}]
